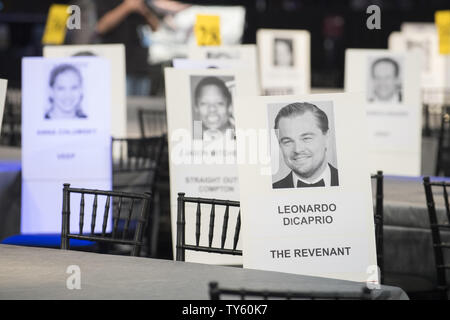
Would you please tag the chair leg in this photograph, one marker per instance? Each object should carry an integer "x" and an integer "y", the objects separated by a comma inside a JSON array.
[
  {"x": 440, "y": 147},
  {"x": 427, "y": 130},
  {"x": 155, "y": 226}
]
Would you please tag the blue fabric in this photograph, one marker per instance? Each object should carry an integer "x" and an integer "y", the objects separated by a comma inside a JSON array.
[
  {"x": 43, "y": 240},
  {"x": 9, "y": 166}
]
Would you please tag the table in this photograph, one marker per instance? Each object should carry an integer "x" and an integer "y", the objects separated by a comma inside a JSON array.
[
  {"x": 408, "y": 251},
  {"x": 408, "y": 254},
  {"x": 405, "y": 203},
  {"x": 40, "y": 273}
]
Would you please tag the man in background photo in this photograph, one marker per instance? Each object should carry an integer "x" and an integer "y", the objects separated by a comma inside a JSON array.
[
  {"x": 385, "y": 83},
  {"x": 283, "y": 53}
]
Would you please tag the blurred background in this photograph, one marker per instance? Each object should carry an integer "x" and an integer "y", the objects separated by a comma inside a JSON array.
[{"x": 334, "y": 25}]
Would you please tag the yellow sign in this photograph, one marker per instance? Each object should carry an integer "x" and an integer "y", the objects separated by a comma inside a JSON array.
[
  {"x": 207, "y": 30},
  {"x": 55, "y": 28},
  {"x": 442, "y": 19}
]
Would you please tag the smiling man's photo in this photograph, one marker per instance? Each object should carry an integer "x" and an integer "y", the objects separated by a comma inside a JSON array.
[
  {"x": 303, "y": 134},
  {"x": 385, "y": 81}
]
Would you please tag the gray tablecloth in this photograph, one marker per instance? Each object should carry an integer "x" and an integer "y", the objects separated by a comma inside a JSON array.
[
  {"x": 408, "y": 251},
  {"x": 38, "y": 273},
  {"x": 405, "y": 203}
]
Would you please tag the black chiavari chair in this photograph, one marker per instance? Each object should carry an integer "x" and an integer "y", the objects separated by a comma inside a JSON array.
[
  {"x": 181, "y": 227},
  {"x": 378, "y": 177},
  {"x": 121, "y": 205},
  {"x": 443, "y": 149},
  {"x": 216, "y": 292},
  {"x": 136, "y": 168},
  {"x": 152, "y": 122},
  {"x": 136, "y": 153},
  {"x": 11, "y": 129},
  {"x": 436, "y": 228}
]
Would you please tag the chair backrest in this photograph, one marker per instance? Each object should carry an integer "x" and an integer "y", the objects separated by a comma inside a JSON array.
[
  {"x": 379, "y": 178},
  {"x": 137, "y": 168},
  {"x": 443, "y": 149},
  {"x": 136, "y": 156},
  {"x": 122, "y": 207},
  {"x": 181, "y": 226},
  {"x": 215, "y": 293},
  {"x": 152, "y": 122},
  {"x": 436, "y": 226},
  {"x": 11, "y": 129}
]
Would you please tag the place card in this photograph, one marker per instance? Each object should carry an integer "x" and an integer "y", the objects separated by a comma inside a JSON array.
[{"x": 306, "y": 197}]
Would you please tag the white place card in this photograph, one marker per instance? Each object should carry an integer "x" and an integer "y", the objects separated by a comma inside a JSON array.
[
  {"x": 306, "y": 202},
  {"x": 246, "y": 53},
  {"x": 284, "y": 61},
  {"x": 115, "y": 53},
  {"x": 202, "y": 148},
  {"x": 390, "y": 82},
  {"x": 65, "y": 136},
  {"x": 426, "y": 43},
  {"x": 207, "y": 63}
]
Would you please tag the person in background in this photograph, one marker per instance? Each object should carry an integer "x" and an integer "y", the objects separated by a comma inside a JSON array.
[{"x": 127, "y": 22}]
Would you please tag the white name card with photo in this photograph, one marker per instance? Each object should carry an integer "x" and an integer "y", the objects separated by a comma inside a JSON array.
[
  {"x": 115, "y": 53},
  {"x": 208, "y": 63},
  {"x": 3, "y": 87},
  {"x": 417, "y": 27},
  {"x": 202, "y": 149},
  {"x": 390, "y": 82},
  {"x": 245, "y": 53},
  {"x": 65, "y": 136},
  {"x": 426, "y": 43},
  {"x": 306, "y": 202},
  {"x": 284, "y": 61}
]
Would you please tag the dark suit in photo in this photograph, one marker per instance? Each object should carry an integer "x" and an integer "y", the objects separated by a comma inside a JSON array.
[{"x": 288, "y": 181}]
